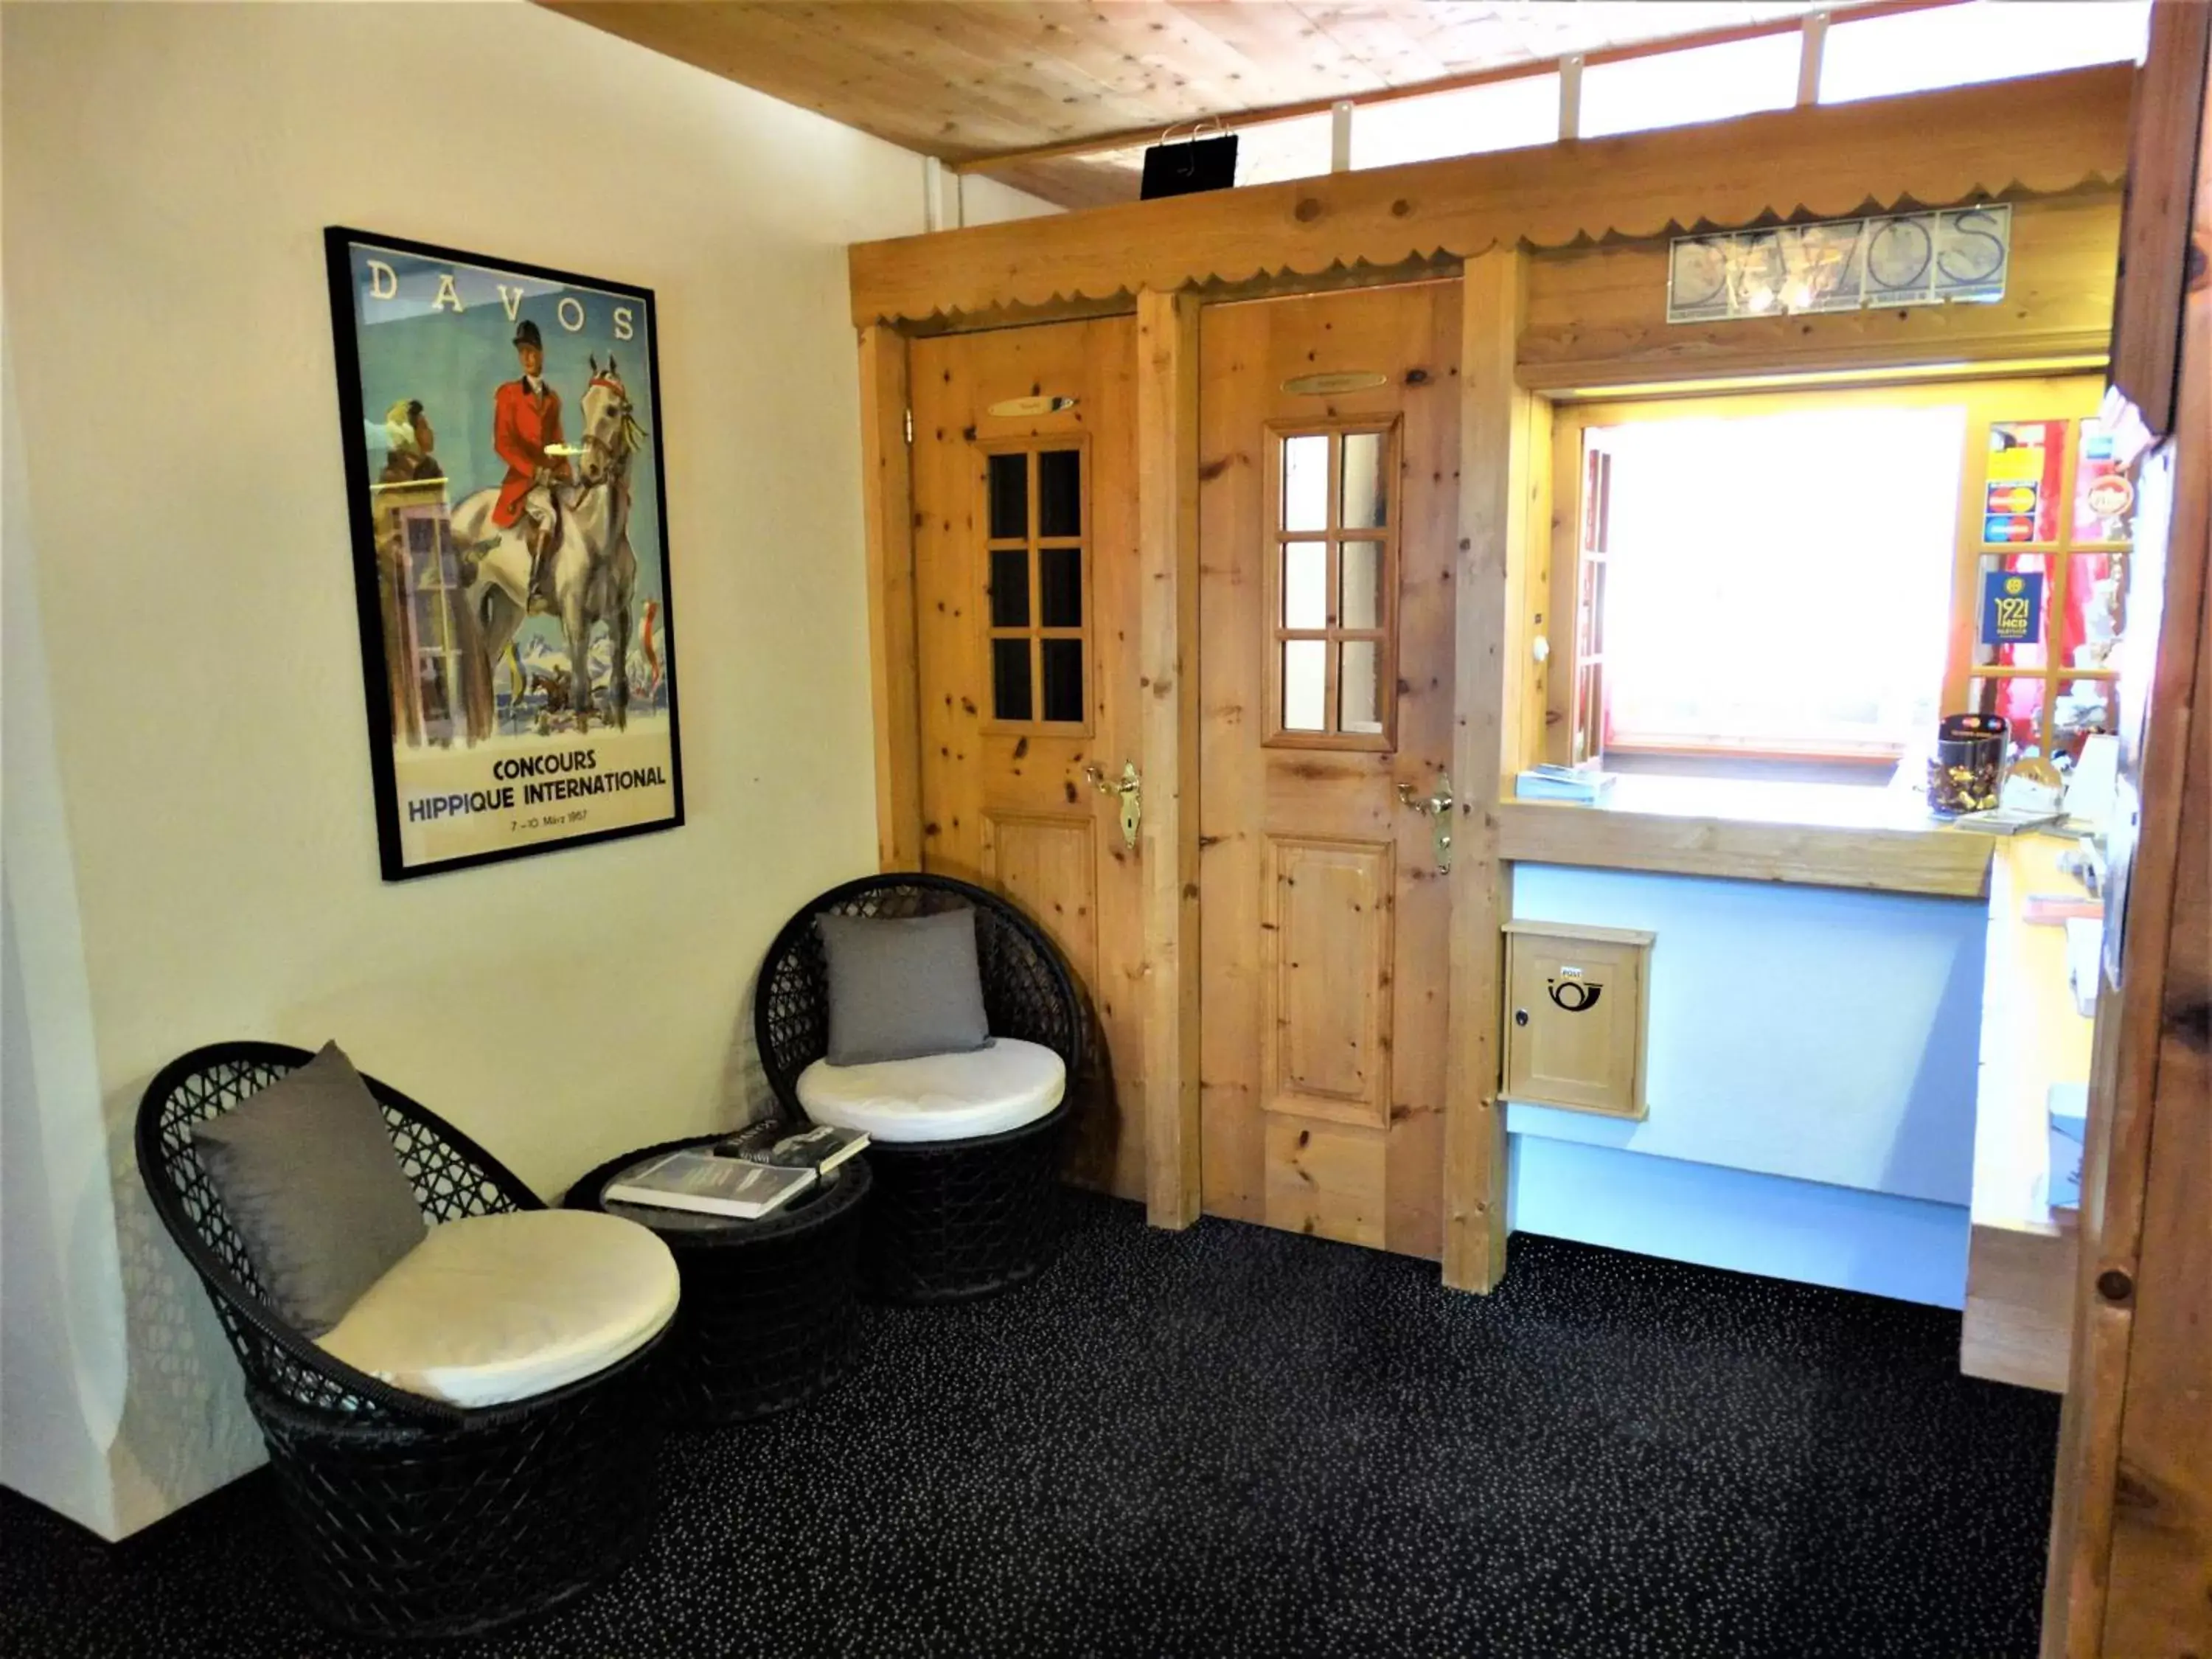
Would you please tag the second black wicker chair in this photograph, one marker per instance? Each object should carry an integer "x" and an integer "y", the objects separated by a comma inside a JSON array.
[
  {"x": 950, "y": 1219},
  {"x": 410, "y": 1516}
]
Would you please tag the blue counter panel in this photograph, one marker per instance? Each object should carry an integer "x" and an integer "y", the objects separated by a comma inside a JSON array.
[
  {"x": 1851, "y": 1239},
  {"x": 1824, "y": 1035}
]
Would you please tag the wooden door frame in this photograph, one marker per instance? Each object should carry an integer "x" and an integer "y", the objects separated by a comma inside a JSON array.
[{"x": 1498, "y": 699}]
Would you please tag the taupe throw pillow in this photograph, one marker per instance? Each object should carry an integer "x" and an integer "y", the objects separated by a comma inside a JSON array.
[
  {"x": 903, "y": 986},
  {"x": 307, "y": 1174}
]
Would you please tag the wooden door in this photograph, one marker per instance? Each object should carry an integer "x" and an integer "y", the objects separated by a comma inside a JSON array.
[
  {"x": 1026, "y": 599},
  {"x": 1327, "y": 511}
]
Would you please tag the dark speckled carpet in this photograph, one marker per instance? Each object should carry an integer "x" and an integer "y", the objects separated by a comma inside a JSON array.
[{"x": 1237, "y": 1441}]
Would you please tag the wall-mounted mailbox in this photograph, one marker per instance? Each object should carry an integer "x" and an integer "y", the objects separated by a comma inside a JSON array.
[{"x": 1575, "y": 1002}]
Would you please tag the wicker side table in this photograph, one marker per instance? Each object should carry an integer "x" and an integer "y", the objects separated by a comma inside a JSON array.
[{"x": 767, "y": 1317}]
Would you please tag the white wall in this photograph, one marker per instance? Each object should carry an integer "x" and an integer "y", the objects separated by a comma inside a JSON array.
[{"x": 181, "y": 522}]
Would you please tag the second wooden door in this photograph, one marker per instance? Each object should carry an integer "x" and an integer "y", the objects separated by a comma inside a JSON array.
[{"x": 1329, "y": 466}]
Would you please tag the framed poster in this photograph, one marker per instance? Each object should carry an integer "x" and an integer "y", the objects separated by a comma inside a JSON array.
[{"x": 500, "y": 425}]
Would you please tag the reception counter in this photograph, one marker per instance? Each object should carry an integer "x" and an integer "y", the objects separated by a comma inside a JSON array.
[{"x": 1851, "y": 1035}]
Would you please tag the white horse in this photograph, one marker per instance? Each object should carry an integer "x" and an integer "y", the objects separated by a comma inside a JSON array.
[{"x": 593, "y": 573}]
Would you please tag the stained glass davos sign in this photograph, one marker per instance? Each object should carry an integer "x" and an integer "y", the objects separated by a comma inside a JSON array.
[{"x": 1841, "y": 264}]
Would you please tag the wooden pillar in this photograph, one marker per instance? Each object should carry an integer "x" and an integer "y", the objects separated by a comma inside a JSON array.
[
  {"x": 1167, "y": 551},
  {"x": 887, "y": 488},
  {"x": 1490, "y": 581}
]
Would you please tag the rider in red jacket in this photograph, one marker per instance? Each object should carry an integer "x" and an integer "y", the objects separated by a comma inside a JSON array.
[{"x": 525, "y": 422}]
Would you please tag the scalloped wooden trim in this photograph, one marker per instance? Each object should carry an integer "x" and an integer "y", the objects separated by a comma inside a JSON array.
[{"x": 2041, "y": 136}]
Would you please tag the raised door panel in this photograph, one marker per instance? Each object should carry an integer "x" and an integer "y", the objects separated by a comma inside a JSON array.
[
  {"x": 1326, "y": 961},
  {"x": 1329, "y": 1180},
  {"x": 1048, "y": 865}
]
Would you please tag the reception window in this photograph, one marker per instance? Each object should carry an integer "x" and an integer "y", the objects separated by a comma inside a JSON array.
[{"x": 1819, "y": 575}]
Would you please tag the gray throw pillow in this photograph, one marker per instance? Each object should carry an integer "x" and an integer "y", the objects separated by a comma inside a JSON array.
[
  {"x": 903, "y": 986},
  {"x": 307, "y": 1175}
]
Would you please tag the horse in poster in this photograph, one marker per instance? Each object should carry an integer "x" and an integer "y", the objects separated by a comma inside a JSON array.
[{"x": 593, "y": 574}]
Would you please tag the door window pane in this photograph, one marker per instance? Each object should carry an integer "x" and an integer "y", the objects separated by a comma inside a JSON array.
[
  {"x": 1009, "y": 679},
  {"x": 1060, "y": 587},
  {"x": 1305, "y": 482},
  {"x": 1010, "y": 497},
  {"x": 1305, "y": 584},
  {"x": 2020, "y": 701},
  {"x": 2096, "y": 610},
  {"x": 1359, "y": 699},
  {"x": 2103, "y": 491},
  {"x": 1063, "y": 679},
  {"x": 2084, "y": 709},
  {"x": 1010, "y": 587},
  {"x": 1305, "y": 685},
  {"x": 2020, "y": 501},
  {"x": 1059, "y": 492},
  {"x": 1366, "y": 488},
  {"x": 1363, "y": 585}
]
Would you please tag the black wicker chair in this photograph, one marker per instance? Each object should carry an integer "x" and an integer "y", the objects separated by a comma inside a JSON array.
[
  {"x": 957, "y": 1218},
  {"x": 408, "y": 1517}
]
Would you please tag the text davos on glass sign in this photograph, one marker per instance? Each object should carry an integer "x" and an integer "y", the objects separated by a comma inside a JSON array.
[{"x": 1841, "y": 264}]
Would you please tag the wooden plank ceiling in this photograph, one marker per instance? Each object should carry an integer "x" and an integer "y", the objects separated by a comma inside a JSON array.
[{"x": 962, "y": 80}]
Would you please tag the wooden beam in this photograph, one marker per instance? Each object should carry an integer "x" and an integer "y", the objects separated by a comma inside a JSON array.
[
  {"x": 2043, "y": 136},
  {"x": 1167, "y": 551},
  {"x": 1495, "y": 484},
  {"x": 886, "y": 484},
  {"x": 1946, "y": 863}
]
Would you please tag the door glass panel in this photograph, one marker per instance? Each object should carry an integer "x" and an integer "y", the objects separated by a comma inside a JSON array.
[
  {"x": 2084, "y": 708},
  {"x": 1365, "y": 487},
  {"x": 1010, "y": 587},
  {"x": 2020, "y": 701},
  {"x": 1010, "y": 497},
  {"x": 1060, "y": 493},
  {"x": 1063, "y": 679},
  {"x": 1358, "y": 689},
  {"x": 1009, "y": 679},
  {"x": 2103, "y": 491},
  {"x": 1362, "y": 605},
  {"x": 1305, "y": 482},
  {"x": 1305, "y": 584},
  {"x": 2096, "y": 610},
  {"x": 2020, "y": 482},
  {"x": 1305, "y": 685},
  {"x": 1059, "y": 587}
]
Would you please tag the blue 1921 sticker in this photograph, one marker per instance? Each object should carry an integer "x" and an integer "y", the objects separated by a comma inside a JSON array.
[{"x": 2012, "y": 607}]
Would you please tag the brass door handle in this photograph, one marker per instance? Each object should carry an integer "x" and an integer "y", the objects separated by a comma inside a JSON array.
[
  {"x": 1438, "y": 807},
  {"x": 1131, "y": 788}
]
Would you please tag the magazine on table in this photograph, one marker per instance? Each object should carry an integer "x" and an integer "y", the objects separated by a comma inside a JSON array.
[
  {"x": 820, "y": 1149},
  {"x": 707, "y": 1185}
]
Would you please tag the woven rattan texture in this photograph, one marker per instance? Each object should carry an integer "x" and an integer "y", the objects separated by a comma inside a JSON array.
[
  {"x": 411, "y": 1516},
  {"x": 768, "y": 1319},
  {"x": 962, "y": 1218}
]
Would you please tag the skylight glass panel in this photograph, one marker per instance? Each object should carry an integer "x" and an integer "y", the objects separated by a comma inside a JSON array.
[
  {"x": 1472, "y": 121},
  {"x": 1700, "y": 83},
  {"x": 1964, "y": 44}
]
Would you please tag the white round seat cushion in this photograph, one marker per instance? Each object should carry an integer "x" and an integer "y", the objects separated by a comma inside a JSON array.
[
  {"x": 493, "y": 1308},
  {"x": 937, "y": 1098}
]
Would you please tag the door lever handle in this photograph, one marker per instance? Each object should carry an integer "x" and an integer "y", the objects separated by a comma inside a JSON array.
[
  {"x": 1131, "y": 788},
  {"x": 1438, "y": 807}
]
